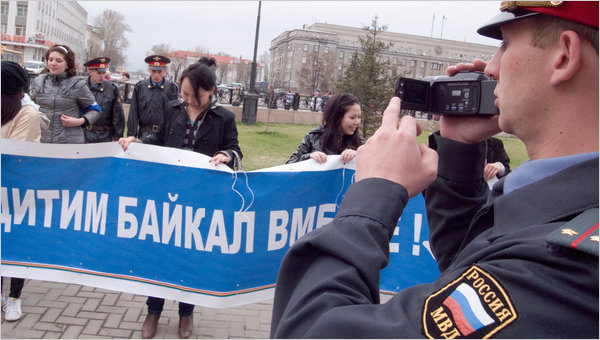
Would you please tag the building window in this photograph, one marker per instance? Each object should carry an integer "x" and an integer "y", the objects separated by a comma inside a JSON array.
[
  {"x": 341, "y": 54},
  {"x": 4, "y": 29},
  {"x": 395, "y": 61},
  {"x": 305, "y": 48},
  {"x": 343, "y": 42},
  {"x": 304, "y": 60},
  {"x": 377, "y": 59},
  {"x": 4, "y": 8},
  {"x": 316, "y": 48},
  {"x": 422, "y": 64},
  {"x": 326, "y": 50},
  {"x": 21, "y": 10},
  {"x": 339, "y": 67},
  {"x": 19, "y": 30},
  {"x": 435, "y": 66},
  {"x": 403, "y": 63},
  {"x": 290, "y": 47},
  {"x": 413, "y": 63}
]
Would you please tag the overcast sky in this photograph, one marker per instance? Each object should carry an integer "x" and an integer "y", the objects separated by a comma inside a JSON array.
[{"x": 230, "y": 26}]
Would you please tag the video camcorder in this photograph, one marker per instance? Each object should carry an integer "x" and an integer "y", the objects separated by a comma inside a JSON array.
[{"x": 465, "y": 93}]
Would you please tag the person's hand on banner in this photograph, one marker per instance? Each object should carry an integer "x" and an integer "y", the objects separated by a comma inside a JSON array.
[{"x": 126, "y": 141}]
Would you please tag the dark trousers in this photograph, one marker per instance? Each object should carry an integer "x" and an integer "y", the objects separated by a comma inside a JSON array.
[
  {"x": 155, "y": 306},
  {"x": 16, "y": 286}
]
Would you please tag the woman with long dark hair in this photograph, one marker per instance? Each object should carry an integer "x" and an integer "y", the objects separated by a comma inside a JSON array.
[
  {"x": 64, "y": 98},
  {"x": 338, "y": 135},
  {"x": 196, "y": 122}
]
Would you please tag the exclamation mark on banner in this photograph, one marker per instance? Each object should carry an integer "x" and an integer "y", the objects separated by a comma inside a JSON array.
[{"x": 417, "y": 232}]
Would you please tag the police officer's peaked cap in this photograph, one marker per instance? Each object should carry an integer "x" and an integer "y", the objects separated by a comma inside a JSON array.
[
  {"x": 583, "y": 12},
  {"x": 157, "y": 62},
  {"x": 14, "y": 78},
  {"x": 99, "y": 64}
]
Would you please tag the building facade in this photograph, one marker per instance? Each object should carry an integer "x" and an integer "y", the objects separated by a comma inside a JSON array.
[
  {"x": 328, "y": 50},
  {"x": 32, "y": 27},
  {"x": 229, "y": 69}
]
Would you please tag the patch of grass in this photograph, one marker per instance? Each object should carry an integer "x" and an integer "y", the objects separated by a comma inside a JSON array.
[
  {"x": 264, "y": 150},
  {"x": 515, "y": 148}
]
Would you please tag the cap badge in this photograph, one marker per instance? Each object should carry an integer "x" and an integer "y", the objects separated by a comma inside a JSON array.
[{"x": 514, "y": 5}]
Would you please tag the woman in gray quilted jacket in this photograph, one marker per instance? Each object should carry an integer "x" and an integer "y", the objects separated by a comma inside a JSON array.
[{"x": 64, "y": 98}]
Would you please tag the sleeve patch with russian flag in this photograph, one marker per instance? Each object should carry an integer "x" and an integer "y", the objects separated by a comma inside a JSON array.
[{"x": 474, "y": 305}]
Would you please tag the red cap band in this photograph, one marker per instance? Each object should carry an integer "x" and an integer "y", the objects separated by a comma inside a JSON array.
[{"x": 583, "y": 12}]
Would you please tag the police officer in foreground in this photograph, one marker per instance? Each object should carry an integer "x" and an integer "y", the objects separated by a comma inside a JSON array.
[
  {"x": 150, "y": 97},
  {"x": 111, "y": 124},
  {"x": 520, "y": 261}
]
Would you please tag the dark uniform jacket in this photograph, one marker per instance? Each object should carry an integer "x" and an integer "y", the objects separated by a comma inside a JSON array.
[
  {"x": 148, "y": 106},
  {"x": 217, "y": 133},
  {"x": 500, "y": 276},
  {"x": 311, "y": 143},
  {"x": 497, "y": 153},
  {"x": 109, "y": 127}
]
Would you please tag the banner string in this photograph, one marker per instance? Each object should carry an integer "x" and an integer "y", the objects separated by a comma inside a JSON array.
[{"x": 235, "y": 176}]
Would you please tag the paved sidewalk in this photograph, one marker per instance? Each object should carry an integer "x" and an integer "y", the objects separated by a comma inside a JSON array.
[{"x": 70, "y": 311}]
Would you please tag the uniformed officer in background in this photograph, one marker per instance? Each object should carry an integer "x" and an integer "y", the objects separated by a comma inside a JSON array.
[
  {"x": 519, "y": 261},
  {"x": 111, "y": 124},
  {"x": 150, "y": 97}
]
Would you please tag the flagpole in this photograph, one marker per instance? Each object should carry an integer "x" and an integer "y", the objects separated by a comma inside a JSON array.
[
  {"x": 442, "y": 31},
  {"x": 432, "y": 20}
]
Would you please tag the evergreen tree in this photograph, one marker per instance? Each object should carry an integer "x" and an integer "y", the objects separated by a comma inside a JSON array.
[{"x": 369, "y": 78}]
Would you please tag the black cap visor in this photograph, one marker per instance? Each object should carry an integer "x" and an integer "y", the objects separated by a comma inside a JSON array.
[{"x": 492, "y": 28}]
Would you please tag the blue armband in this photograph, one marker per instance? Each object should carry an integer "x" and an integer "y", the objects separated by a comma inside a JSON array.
[{"x": 94, "y": 106}]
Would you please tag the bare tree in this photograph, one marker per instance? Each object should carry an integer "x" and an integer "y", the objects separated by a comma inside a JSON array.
[
  {"x": 113, "y": 37},
  {"x": 201, "y": 49},
  {"x": 160, "y": 49},
  {"x": 243, "y": 73},
  {"x": 263, "y": 59},
  {"x": 316, "y": 72}
]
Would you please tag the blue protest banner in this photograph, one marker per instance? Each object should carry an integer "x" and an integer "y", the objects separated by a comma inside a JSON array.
[{"x": 164, "y": 222}]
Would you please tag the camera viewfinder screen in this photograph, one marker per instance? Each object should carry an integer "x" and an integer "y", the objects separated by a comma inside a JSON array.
[{"x": 414, "y": 93}]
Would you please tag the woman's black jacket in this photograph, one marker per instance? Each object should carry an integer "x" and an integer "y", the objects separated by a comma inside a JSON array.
[{"x": 217, "y": 133}]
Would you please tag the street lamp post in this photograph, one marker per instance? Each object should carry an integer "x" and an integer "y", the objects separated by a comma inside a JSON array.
[
  {"x": 250, "y": 107},
  {"x": 316, "y": 81}
]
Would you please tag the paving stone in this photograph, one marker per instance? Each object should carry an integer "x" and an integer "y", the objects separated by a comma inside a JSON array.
[
  {"x": 131, "y": 314},
  {"x": 109, "y": 299},
  {"x": 71, "y": 299},
  {"x": 51, "y": 315},
  {"x": 113, "y": 332},
  {"x": 51, "y": 327},
  {"x": 93, "y": 327},
  {"x": 52, "y": 335},
  {"x": 72, "y": 308},
  {"x": 69, "y": 320},
  {"x": 92, "y": 315},
  {"x": 90, "y": 294},
  {"x": 113, "y": 320},
  {"x": 72, "y": 332}
]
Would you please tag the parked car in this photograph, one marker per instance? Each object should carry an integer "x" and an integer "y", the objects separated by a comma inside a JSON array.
[{"x": 34, "y": 67}]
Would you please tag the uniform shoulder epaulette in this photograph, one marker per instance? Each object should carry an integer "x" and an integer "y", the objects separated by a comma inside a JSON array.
[{"x": 580, "y": 233}]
